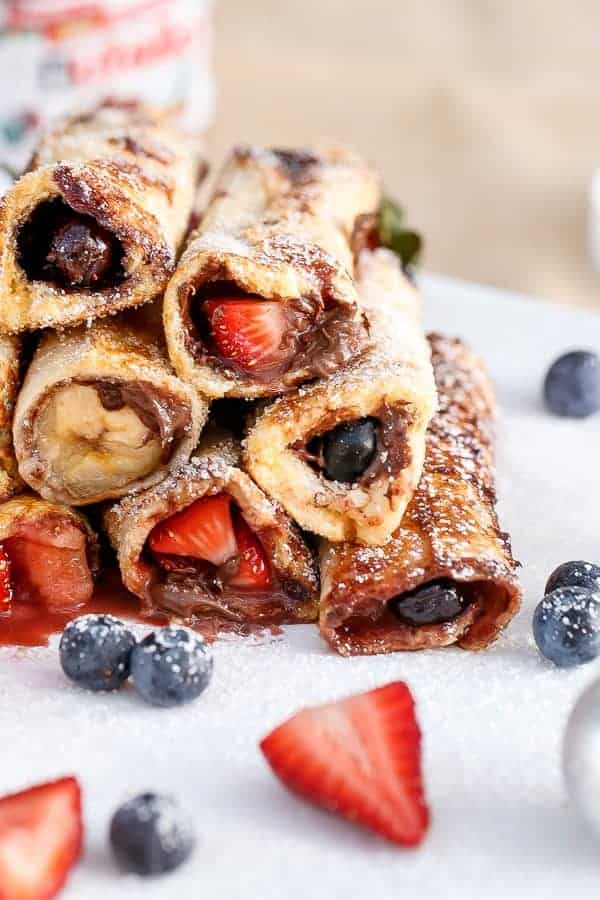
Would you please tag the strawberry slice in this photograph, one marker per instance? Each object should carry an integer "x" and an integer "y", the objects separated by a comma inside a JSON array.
[
  {"x": 204, "y": 530},
  {"x": 253, "y": 569},
  {"x": 49, "y": 565},
  {"x": 40, "y": 839},
  {"x": 5, "y": 581},
  {"x": 248, "y": 333},
  {"x": 359, "y": 757}
]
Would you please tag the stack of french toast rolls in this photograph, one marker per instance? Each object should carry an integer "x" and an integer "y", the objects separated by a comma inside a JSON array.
[{"x": 252, "y": 405}]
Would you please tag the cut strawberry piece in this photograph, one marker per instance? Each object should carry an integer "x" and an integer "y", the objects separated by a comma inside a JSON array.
[
  {"x": 248, "y": 333},
  {"x": 40, "y": 839},
  {"x": 204, "y": 530},
  {"x": 359, "y": 757},
  {"x": 253, "y": 569},
  {"x": 50, "y": 566},
  {"x": 5, "y": 581}
]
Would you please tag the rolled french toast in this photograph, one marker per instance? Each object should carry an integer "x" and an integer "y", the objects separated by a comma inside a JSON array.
[
  {"x": 263, "y": 297},
  {"x": 9, "y": 383},
  {"x": 344, "y": 454},
  {"x": 207, "y": 544},
  {"x": 95, "y": 225},
  {"x": 101, "y": 414},
  {"x": 447, "y": 575},
  {"x": 52, "y": 553}
]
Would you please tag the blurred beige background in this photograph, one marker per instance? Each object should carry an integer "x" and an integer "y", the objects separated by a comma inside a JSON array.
[{"x": 483, "y": 116}]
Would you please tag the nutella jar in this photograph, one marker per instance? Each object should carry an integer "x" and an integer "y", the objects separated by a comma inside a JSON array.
[{"x": 61, "y": 56}]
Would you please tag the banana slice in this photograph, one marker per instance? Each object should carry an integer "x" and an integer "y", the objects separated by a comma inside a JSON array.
[{"x": 93, "y": 450}]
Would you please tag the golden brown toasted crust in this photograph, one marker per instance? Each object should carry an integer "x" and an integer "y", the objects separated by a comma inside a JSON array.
[
  {"x": 10, "y": 482},
  {"x": 392, "y": 381},
  {"x": 27, "y": 509},
  {"x": 279, "y": 226},
  {"x": 131, "y": 170},
  {"x": 450, "y": 530},
  {"x": 214, "y": 470},
  {"x": 127, "y": 352}
]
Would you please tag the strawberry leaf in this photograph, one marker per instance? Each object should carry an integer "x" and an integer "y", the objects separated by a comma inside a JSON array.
[{"x": 405, "y": 242}]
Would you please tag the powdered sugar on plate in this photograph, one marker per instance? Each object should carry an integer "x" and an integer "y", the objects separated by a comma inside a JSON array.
[{"x": 492, "y": 721}]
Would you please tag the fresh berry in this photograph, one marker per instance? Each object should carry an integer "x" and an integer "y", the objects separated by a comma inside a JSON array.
[
  {"x": 211, "y": 529},
  {"x": 203, "y": 530},
  {"x": 348, "y": 450},
  {"x": 95, "y": 652},
  {"x": 50, "y": 565},
  {"x": 572, "y": 385},
  {"x": 575, "y": 573},
  {"x": 253, "y": 570},
  {"x": 150, "y": 835},
  {"x": 437, "y": 602},
  {"x": 248, "y": 333},
  {"x": 171, "y": 666},
  {"x": 5, "y": 581},
  {"x": 359, "y": 757},
  {"x": 40, "y": 839},
  {"x": 566, "y": 626}
]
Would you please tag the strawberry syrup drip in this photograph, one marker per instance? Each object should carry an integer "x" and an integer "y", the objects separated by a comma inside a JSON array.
[{"x": 31, "y": 624}]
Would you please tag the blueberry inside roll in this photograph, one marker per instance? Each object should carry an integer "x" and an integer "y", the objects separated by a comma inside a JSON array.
[
  {"x": 446, "y": 575},
  {"x": 344, "y": 454}
]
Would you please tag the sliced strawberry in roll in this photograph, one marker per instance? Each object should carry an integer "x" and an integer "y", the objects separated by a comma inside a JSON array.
[
  {"x": 212, "y": 531},
  {"x": 48, "y": 555},
  {"x": 5, "y": 581},
  {"x": 248, "y": 332}
]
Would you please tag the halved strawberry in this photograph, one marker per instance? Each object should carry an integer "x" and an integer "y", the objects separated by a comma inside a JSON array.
[
  {"x": 359, "y": 757},
  {"x": 204, "y": 530},
  {"x": 248, "y": 333},
  {"x": 253, "y": 569},
  {"x": 49, "y": 565},
  {"x": 5, "y": 581},
  {"x": 40, "y": 839}
]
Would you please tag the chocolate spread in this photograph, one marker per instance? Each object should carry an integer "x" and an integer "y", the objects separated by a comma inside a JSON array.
[
  {"x": 318, "y": 340},
  {"x": 163, "y": 415},
  {"x": 392, "y": 453},
  {"x": 68, "y": 248},
  {"x": 193, "y": 587}
]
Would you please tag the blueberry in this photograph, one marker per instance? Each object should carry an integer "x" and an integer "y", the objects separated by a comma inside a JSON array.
[
  {"x": 348, "y": 449},
  {"x": 95, "y": 652},
  {"x": 575, "y": 573},
  {"x": 572, "y": 385},
  {"x": 171, "y": 666},
  {"x": 566, "y": 626},
  {"x": 439, "y": 601},
  {"x": 150, "y": 835}
]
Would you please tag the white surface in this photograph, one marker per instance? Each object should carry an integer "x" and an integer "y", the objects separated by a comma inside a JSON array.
[{"x": 492, "y": 722}]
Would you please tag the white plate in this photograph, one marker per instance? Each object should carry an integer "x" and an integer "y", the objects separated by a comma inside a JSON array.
[{"x": 492, "y": 722}]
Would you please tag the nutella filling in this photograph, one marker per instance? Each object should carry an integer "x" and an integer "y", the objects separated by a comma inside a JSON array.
[
  {"x": 162, "y": 415},
  {"x": 192, "y": 587},
  {"x": 314, "y": 338},
  {"x": 390, "y": 453},
  {"x": 69, "y": 249}
]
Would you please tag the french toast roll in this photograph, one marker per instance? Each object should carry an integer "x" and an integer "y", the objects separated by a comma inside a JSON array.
[
  {"x": 10, "y": 482},
  {"x": 344, "y": 454},
  {"x": 95, "y": 225},
  {"x": 447, "y": 575},
  {"x": 50, "y": 551},
  {"x": 263, "y": 297},
  {"x": 101, "y": 413},
  {"x": 207, "y": 544}
]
